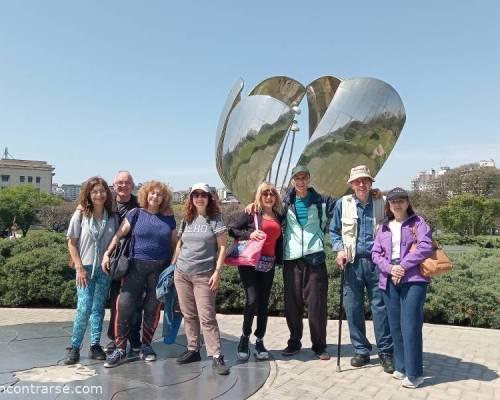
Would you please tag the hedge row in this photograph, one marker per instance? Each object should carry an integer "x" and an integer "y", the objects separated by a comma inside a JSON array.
[{"x": 33, "y": 273}]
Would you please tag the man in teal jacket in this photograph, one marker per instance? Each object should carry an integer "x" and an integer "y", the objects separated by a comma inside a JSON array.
[{"x": 305, "y": 277}]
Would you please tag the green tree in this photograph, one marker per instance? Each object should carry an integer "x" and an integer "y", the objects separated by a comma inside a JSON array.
[
  {"x": 21, "y": 204},
  {"x": 468, "y": 214}
]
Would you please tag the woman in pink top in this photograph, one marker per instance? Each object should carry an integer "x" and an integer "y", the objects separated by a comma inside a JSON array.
[{"x": 258, "y": 281}]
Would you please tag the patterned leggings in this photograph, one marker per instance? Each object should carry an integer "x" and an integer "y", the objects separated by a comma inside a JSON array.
[{"x": 91, "y": 302}]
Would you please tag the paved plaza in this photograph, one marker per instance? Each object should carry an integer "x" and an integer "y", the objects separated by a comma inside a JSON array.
[{"x": 459, "y": 363}]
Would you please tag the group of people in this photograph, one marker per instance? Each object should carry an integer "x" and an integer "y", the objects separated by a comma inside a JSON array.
[{"x": 379, "y": 244}]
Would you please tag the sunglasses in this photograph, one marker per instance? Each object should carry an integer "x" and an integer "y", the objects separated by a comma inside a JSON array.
[
  {"x": 200, "y": 194},
  {"x": 268, "y": 193}
]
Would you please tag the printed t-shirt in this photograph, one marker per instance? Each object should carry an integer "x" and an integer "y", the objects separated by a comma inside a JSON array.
[{"x": 199, "y": 244}]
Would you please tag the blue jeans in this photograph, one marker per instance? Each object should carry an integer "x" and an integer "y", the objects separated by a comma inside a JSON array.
[
  {"x": 90, "y": 305},
  {"x": 405, "y": 309},
  {"x": 358, "y": 275}
]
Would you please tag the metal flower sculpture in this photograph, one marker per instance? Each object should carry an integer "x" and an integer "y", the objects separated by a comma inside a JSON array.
[{"x": 351, "y": 122}]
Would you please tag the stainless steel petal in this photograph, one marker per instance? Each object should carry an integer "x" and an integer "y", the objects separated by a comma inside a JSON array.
[
  {"x": 232, "y": 99},
  {"x": 254, "y": 132},
  {"x": 360, "y": 126},
  {"x": 283, "y": 88},
  {"x": 320, "y": 93}
]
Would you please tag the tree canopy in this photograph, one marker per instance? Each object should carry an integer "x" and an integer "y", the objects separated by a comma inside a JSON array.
[
  {"x": 468, "y": 214},
  {"x": 20, "y": 204}
]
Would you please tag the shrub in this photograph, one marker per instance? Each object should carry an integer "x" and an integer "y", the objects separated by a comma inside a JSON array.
[{"x": 34, "y": 272}]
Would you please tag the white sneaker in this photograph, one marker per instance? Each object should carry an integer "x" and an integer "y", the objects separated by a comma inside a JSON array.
[
  {"x": 398, "y": 375},
  {"x": 412, "y": 383}
]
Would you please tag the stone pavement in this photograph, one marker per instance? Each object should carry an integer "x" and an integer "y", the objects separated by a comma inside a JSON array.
[{"x": 459, "y": 363}]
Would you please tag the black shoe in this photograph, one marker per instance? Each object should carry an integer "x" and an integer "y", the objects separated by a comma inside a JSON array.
[
  {"x": 260, "y": 351},
  {"x": 290, "y": 351},
  {"x": 96, "y": 352},
  {"x": 110, "y": 347},
  {"x": 220, "y": 366},
  {"x": 73, "y": 356},
  {"x": 188, "y": 356},
  {"x": 243, "y": 353},
  {"x": 359, "y": 360},
  {"x": 387, "y": 362}
]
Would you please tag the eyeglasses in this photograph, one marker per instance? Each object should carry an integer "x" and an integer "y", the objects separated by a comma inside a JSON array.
[
  {"x": 102, "y": 191},
  {"x": 200, "y": 194},
  {"x": 268, "y": 193}
]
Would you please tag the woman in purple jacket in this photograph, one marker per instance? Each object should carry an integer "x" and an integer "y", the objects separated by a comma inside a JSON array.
[{"x": 403, "y": 286}]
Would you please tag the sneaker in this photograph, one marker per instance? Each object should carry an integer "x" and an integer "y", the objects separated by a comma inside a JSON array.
[
  {"x": 96, "y": 352},
  {"x": 387, "y": 362},
  {"x": 110, "y": 347},
  {"x": 243, "y": 353},
  {"x": 360, "y": 360},
  {"x": 398, "y": 375},
  {"x": 147, "y": 353},
  {"x": 188, "y": 356},
  {"x": 73, "y": 356},
  {"x": 290, "y": 351},
  {"x": 323, "y": 355},
  {"x": 220, "y": 366},
  {"x": 260, "y": 351},
  {"x": 412, "y": 383},
  {"x": 118, "y": 357}
]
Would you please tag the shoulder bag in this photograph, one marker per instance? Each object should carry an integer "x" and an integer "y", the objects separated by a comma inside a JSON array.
[
  {"x": 437, "y": 264},
  {"x": 120, "y": 258},
  {"x": 245, "y": 252}
]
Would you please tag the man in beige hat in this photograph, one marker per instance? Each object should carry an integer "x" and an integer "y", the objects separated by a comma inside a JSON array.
[{"x": 352, "y": 231}]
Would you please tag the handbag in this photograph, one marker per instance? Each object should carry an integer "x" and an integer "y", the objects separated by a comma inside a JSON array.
[
  {"x": 437, "y": 264},
  {"x": 245, "y": 252},
  {"x": 120, "y": 258}
]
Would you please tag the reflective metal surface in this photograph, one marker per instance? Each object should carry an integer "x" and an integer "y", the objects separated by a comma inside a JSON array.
[
  {"x": 360, "y": 126},
  {"x": 288, "y": 90},
  {"x": 319, "y": 95},
  {"x": 254, "y": 132},
  {"x": 351, "y": 122},
  {"x": 232, "y": 99}
]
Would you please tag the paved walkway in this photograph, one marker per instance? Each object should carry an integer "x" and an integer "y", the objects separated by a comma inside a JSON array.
[{"x": 459, "y": 363}]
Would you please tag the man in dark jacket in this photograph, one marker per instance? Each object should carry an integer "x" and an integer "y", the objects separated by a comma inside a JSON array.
[{"x": 123, "y": 202}]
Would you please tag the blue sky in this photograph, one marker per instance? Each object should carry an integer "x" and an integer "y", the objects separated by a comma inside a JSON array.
[{"x": 93, "y": 87}]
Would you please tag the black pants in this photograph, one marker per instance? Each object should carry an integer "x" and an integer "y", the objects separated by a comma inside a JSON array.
[
  {"x": 135, "y": 332},
  {"x": 306, "y": 284},
  {"x": 257, "y": 287},
  {"x": 141, "y": 276}
]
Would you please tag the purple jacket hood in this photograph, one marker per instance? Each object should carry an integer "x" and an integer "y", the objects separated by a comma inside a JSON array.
[{"x": 382, "y": 250}]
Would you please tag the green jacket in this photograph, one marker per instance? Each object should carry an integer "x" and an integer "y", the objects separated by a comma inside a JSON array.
[{"x": 299, "y": 240}]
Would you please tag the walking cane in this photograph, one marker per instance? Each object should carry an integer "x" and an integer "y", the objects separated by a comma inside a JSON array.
[{"x": 342, "y": 276}]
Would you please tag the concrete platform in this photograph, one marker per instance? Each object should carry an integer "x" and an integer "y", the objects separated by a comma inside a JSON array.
[{"x": 459, "y": 363}]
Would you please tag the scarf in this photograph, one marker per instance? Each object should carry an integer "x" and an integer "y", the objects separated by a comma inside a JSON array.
[{"x": 96, "y": 232}]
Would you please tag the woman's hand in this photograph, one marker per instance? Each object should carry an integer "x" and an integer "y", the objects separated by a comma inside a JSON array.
[
  {"x": 105, "y": 263},
  {"x": 214, "y": 281},
  {"x": 397, "y": 271},
  {"x": 81, "y": 277},
  {"x": 257, "y": 235}
]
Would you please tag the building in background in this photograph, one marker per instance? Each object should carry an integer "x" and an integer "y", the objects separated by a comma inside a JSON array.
[
  {"x": 71, "y": 192},
  {"x": 14, "y": 172}
]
